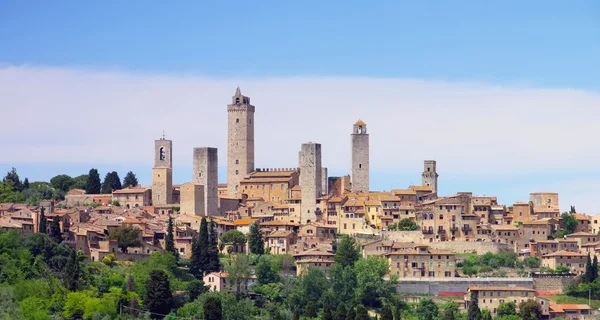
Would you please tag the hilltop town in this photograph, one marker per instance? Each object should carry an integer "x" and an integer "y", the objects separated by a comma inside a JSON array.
[{"x": 427, "y": 239}]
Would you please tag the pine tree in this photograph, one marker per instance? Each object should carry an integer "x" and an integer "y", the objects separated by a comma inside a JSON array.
[
  {"x": 42, "y": 221},
  {"x": 195, "y": 264},
  {"x": 327, "y": 314},
  {"x": 203, "y": 245},
  {"x": 588, "y": 276},
  {"x": 595, "y": 268},
  {"x": 25, "y": 184},
  {"x": 130, "y": 180},
  {"x": 111, "y": 183},
  {"x": 93, "y": 183},
  {"x": 158, "y": 297},
  {"x": 55, "y": 232},
  {"x": 473, "y": 313},
  {"x": 213, "y": 309},
  {"x": 214, "y": 265},
  {"x": 170, "y": 239},
  {"x": 255, "y": 239},
  {"x": 340, "y": 312}
]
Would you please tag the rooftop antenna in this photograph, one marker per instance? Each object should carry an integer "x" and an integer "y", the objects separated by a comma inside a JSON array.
[{"x": 163, "y": 135}]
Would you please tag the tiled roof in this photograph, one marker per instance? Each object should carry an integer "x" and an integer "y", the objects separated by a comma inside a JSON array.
[
  {"x": 496, "y": 288},
  {"x": 243, "y": 222},
  {"x": 565, "y": 254},
  {"x": 564, "y": 307},
  {"x": 131, "y": 190}
]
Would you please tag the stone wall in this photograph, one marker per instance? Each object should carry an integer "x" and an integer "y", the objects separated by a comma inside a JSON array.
[
  {"x": 162, "y": 186},
  {"x": 549, "y": 285},
  {"x": 471, "y": 247},
  {"x": 452, "y": 286},
  {"x": 404, "y": 236},
  {"x": 206, "y": 172}
]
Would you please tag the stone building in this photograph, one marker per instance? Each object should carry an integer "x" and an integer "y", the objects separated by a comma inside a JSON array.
[
  {"x": 360, "y": 157},
  {"x": 310, "y": 180},
  {"x": 270, "y": 184},
  {"x": 133, "y": 197},
  {"x": 430, "y": 175},
  {"x": 575, "y": 261},
  {"x": 420, "y": 261},
  {"x": 491, "y": 297},
  {"x": 206, "y": 173},
  {"x": 192, "y": 199},
  {"x": 162, "y": 173},
  {"x": 240, "y": 141}
]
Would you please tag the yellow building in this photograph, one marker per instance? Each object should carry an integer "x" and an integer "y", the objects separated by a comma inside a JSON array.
[
  {"x": 420, "y": 261},
  {"x": 273, "y": 185},
  {"x": 491, "y": 297}
]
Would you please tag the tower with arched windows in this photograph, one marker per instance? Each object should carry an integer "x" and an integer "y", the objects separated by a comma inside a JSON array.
[
  {"x": 162, "y": 173},
  {"x": 430, "y": 175},
  {"x": 360, "y": 157},
  {"x": 240, "y": 141}
]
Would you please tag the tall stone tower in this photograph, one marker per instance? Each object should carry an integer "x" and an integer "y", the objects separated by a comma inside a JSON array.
[
  {"x": 430, "y": 175},
  {"x": 240, "y": 141},
  {"x": 162, "y": 173},
  {"x": 206, "y": 173},
  {"x": 360, "y": 157},
  {"x": 310, "y": 180}
]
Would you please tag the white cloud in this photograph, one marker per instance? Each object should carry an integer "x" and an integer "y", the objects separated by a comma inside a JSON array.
[{"x": 54, "y": 115}]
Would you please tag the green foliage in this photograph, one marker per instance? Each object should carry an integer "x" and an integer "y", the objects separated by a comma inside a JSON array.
[
  {"x": 42, "y": 221},
  {"x": 93, "y": 182},
  {"x": 530, "y": 310},
  {"x": 488, "y": 262},
  {"x": 170, "y": 239},
  {"x": 158, "y": 298},
  {"x": 203, "y": 245},
  {"x": 267, "y": 270},
  {"x": 532, "y": 262},
  {"x": 340, "y": 312},
  {"x": 80, "y": 182},
  {"x": 8, "y": 193},
  {"x": 233, "y": 237},
  {"x": 127, "y": 236},
  {"x": 130, "y": 180},
  {"x": 111, "y": 183},
  {"x": 347, "y": 252},
  {"x": 62, "y": 182},
  {"x": 427, "y": 309},
  {"x": 405, "y": 224},
  {"x": 351, "y": 314},
  {"x": 473, "y": 312},
  {"x": 73, "y": 271},
  {"x": 486, "y": 314},
  {"x": 232, "y": 307},
  {"x": 450, "y": 311},
  {"x": 361, "y": 313},
  {"x": 310, "y": 311},
  {"x": 569, "y": 222},
  {"x": 343, "y": 282},
  {"x": 13, "y": 176},
  {"x": 238, "y": 272},
  {"x": 506, "y": 309},
  {"x": 195, "y": 289},
  {"x": 214, "y": 264},
  {"x": 255, "y": 239},
  {"x": 371, "y": 287},
  {"x": 212, "y": 308},
  {"x": 55, "y": 232},
  {"x": 386, "y": 312}
]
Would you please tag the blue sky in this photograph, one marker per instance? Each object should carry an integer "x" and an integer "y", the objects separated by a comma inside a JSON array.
[{"x": 472, "y": 62}]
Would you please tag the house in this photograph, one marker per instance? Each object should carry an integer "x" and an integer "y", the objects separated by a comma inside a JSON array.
[
  {"x": 280, "y": 241},
  {"x": 570, "y": 311},
  {"x": 575, "y": 261},
  {"x": 314, "y": 258},
  {"x": 420, "y": 261},
  {"x": 491, "y": 297},
  {"x": 219, "y": 282}
]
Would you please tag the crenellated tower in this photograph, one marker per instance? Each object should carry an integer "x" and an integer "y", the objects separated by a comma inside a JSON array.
[
  {"x": 240, "y": 141},
  {"x": 360, "y": 157}
]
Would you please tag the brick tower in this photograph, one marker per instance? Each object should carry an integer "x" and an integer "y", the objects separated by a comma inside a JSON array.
[
  {"x": 240, "y": 141},
  {"x": 206, "y": 173},
  {"x": 162, "y": 173},
  {"x": 360, "y": 157}
]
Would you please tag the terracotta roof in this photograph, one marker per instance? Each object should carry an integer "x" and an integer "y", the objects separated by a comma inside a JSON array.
[
  {"x": 279, "y": 223},
  {"x": 581, "y": 234},
  {"x": 420, "y": 188},
  {"x": 131, "y": 190},
  {"x": 360, "y": 123},
  {"x": 496, "y": 288},
  {"x": 224, "y": 275},
  {"x": 504, "y": 227},
  {"x": 315, "y": 252},
  {"x": 539, "y": 222},
  {"x": 565, "y": 254},
  {"x": 279, "y": 234},
  {"x": 580, "y": 216},
  {"x": 404, "y": 192},
  {"x": 563, "y": 307},
  {"x": 243, "y": 222}
]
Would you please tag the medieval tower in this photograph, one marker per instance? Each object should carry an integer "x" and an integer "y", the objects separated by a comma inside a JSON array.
[
  {"x": 162, "y": 173},
  {"x": 240, "y": 141},
  {"x": 206, "y": 173},
  {"x": 310, "y": 180},
  {"x": 430, "y": 175},
  {"x": 360, "y": 158}
]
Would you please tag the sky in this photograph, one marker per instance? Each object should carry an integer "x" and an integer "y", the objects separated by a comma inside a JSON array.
[{"x": 504, "y": 95}]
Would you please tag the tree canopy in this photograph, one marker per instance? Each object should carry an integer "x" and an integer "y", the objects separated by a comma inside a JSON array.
[
  {"x": 111, "y": 183},
  {"x": 255, "y": 239},
  {"x": 130, "y": 180},
  {"x": 347, "y": 251},
  {"x": 127, "y": 236},
  {"x": 93, "y": 184}
]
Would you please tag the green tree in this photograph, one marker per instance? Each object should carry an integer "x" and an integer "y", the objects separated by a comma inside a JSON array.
[
  {"x": 55, "y": 232},
  {"x": 266, "y": 270},
  {"x": 203, "y": 245},
  {"x": 12, "y": 175},
  {"x": 569, "y": 221},
  {"x": 8, "y": 193},
  {"x": 134, "y": 307},
  {"x": 351, "y": 314},
  {"x": 111, "y": 183},
  {"x": 450, "y": 311},
  {"x": 340, "y": 312},
  {"x": 25, "y": 184},
  {"x": 238, "y": 272},
  {"x": 506, "y": 309},
  {"x": 93, "y": 185},
  {"x": 170, "y": 239},
  {"x": 327, "y": 312},
  {"x": 595, "y": 268},
  {"x": 427, "y": 309},
  {"x": 195, "y": 289},
  {"x": 234, "y": 238},
  {"x": 127, "y": 236},
  {"x": 62, "y": 182},
  {"x": 130, "y": 180},
  {"x": 588, "y": 275},
  {"x": 386, "y": 312},
  {"x": 212, "y": 308},
  {"x": 73, "y": 272},
  {"x": 313, "y": 284},
  {"x": 42, "y": 228},
  {"x": 572, "y": 210},
  {"x": 80, "y": 182},
  {"x": 343, "y": 282},
  {"x": 255, "y": 239},
  {"x": 310, "y": 310},
  {"x": 530, "y": 310},
  {"x": 195, "y": 264},
  {"x": 407, "y": 224},
  {"x": 486, "y": 314},
  {"x": 361, "y": 313},
  {"x": 473, "y": 312},
  {"x": 158, "y": 297},
  {"x": 347, "y": 251},
  {"x": 214, "y": 264},
  {"x": 130, "y": 284},
  {"x": 371, "y": 287}
]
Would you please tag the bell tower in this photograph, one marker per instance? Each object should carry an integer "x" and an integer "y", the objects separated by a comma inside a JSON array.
[
  {"x": 162, "y": 173},
  {"x": 240, "y": 141},
  {"x": 360, "y": 157},
  {"x": 430, "y": 175}
]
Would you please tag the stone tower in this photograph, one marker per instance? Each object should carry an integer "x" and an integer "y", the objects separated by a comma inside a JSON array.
[
  {"x": 310, "y": 180},
  {"x": 162, "y": 173},
  {"x": 430, "y": 175},
  {"x": 360, "y": 157},
  {"x": 206, "y": 173},
  {"x": 240, "y": 141}
]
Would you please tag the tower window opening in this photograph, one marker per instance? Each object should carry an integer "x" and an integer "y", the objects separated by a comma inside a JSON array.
[
  {"x": 237, "y": 100},
  {"x": 250, "y": 121},
  {"x": 359, "y": 165},
  {"x": 428, "y": 169},
  {"x": 237, "y": 171},
  {"x": 237, "y": 120},
  {"x": 162, "y": 154},
  {"x": 237, "y": 161}
]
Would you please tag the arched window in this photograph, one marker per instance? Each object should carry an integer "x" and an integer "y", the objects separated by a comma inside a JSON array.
[
  {"x": 237, "y": 120},
  {"x": 441, "y": 217},
  {"x": 162, "y": 154},
  {"x": 237, "y": 172},
  {"x": 237, "y": 100},
  {"x": 236, "y": 188},
  {"x": 431, "y": 216}
]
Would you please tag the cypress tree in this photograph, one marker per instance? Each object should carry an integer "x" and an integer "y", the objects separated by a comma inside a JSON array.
[
  {"x": 340, "y": 312},
  {"x": 351, "y": 314},
  {"x": 111, "y": 183},
  {"x": 158, "y": 297},
  {"x": 595, "y": 268},
  {"x": 327, "y": 314},
  {"x": 170, "y": 239},
  {"x": 42, "y": 221},
  {"x": 72, "y": 273},
  {"x": 203, "y": 246},
  {"x": 214, "y": 264},
  {"x": 361, "y": 313},
  {"x": 195, "y": 267},
  {"x": 93, "y": 183},
  {"x": 473, "y": 313},
  {"x": 386, "y": 312},
  {"x": 588, "y": 276},
  {"x": 255, "y": 239},
  {"x": 130, "y": 180},
  {"x": 213, "y": 309},
  {"x": 55, "y": 232}
]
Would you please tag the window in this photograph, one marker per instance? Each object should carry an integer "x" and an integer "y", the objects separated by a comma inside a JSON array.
[
  {"x": 359, "y": 165},
  {"x": 237, "y": 120},
  {"x": 237, "y": 172},
  {"x": 237, "y": 161}
]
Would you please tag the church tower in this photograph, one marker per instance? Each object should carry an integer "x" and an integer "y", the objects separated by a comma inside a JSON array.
[
  {"x": 360, "y": 157},
  {"x": 162, "y": 173},
  {"x": 430, "y": 175},
  {"x": 240, "y": 141}
]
